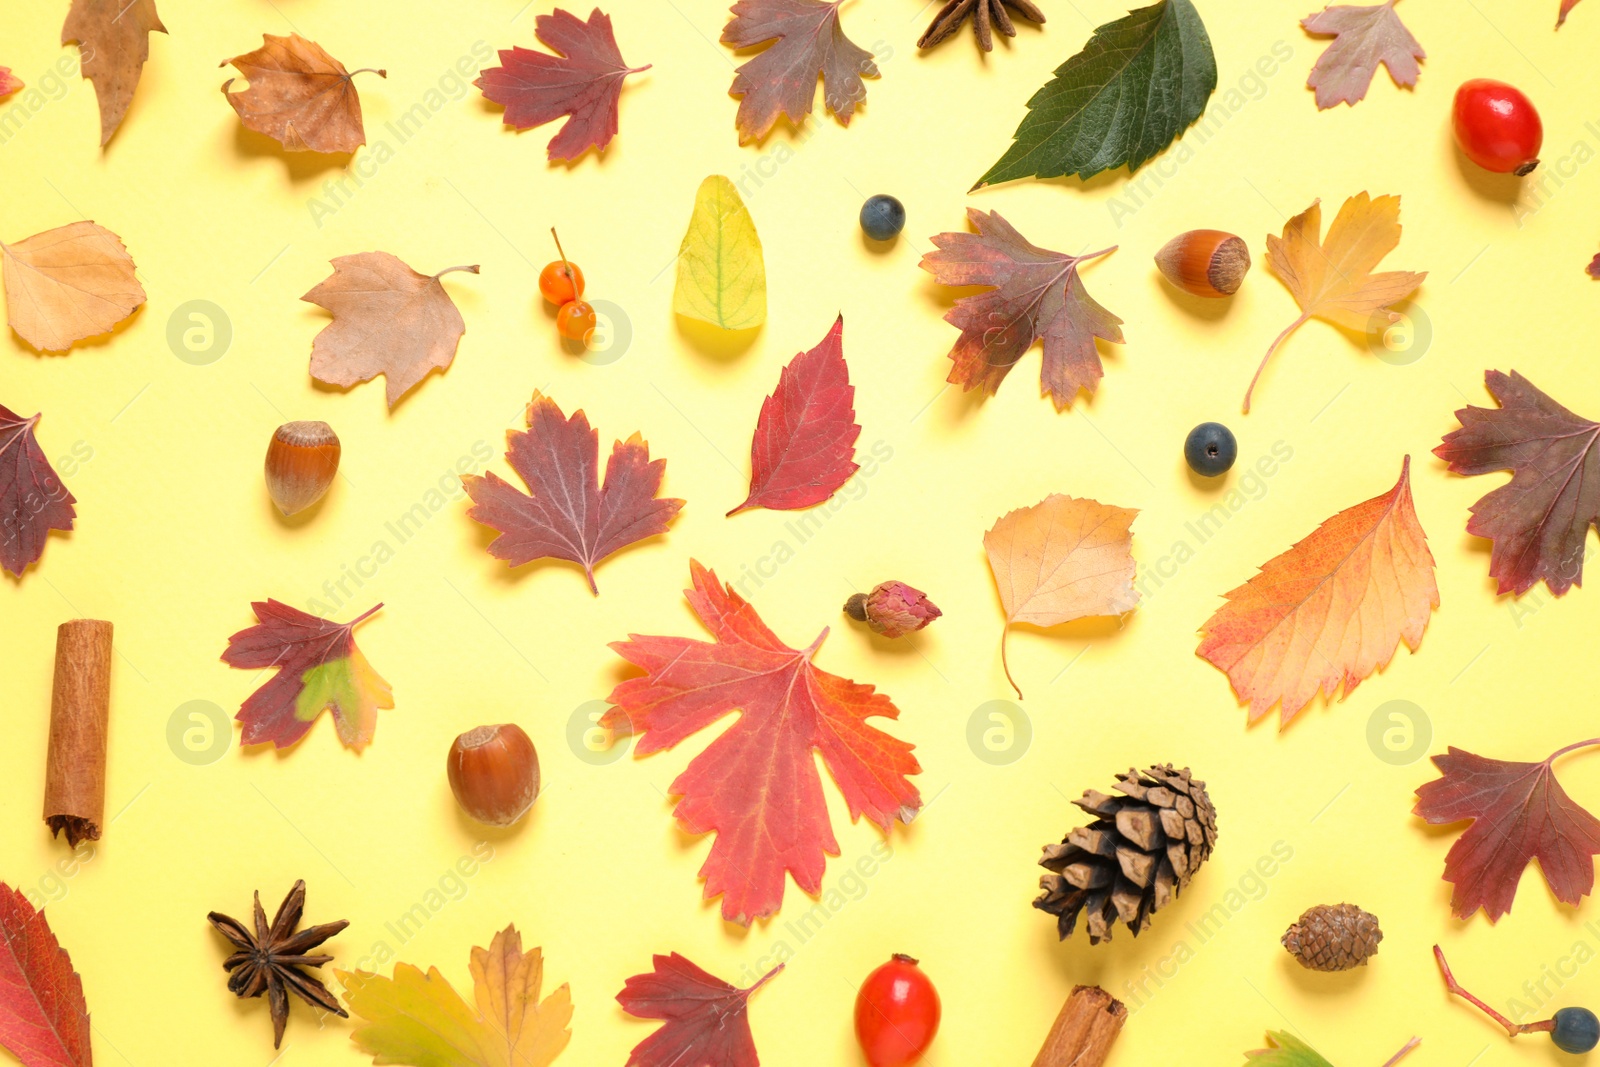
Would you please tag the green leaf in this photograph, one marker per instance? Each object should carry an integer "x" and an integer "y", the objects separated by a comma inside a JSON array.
[
  {"x": 1285, "y": 1050},
  {"x": 722, "y": 278},
  {"x": 1139, "y": 83}
]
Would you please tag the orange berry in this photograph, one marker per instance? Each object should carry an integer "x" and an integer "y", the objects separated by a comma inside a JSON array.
[
  {"x": 576, "y": 321},
  {"x": 561, "y": 282}
]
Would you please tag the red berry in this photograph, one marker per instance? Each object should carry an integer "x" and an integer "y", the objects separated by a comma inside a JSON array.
[
  {"x": 575, "y": 321},
  {"x": 561, "y": 282},
  {"x": 897, "y": 1014},
  {"x": 1497, "y": 127}
]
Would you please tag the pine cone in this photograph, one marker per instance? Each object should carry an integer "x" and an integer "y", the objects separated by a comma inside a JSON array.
[
  {"x": 1135, "y": 857},
  {"x": 1333, "y": 937}
]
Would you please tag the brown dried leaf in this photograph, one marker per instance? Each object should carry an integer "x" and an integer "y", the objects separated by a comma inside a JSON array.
[
  {"x": 114, "y": 36},
  {"x": 299, "y": 95},
  {"x": 68, "y": 284}
]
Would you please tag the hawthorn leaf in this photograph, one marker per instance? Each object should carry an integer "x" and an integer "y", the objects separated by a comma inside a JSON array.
[
  {"x": 1593, "y": 269},
  {"x": 707, "y": 1020},
  {"x": 1330, "y": 610},
  {"x": 756, "y": 787},
  {"x": 299, "y": 95},
  {"x": 1285, "y": 1050},
  {"x": 388, "y": 320},
  {"x": 722, "y": 277},
  {"x": 1062, "y": 559},
  {"x": 808, "y": 42},
  {"x": 319, "y": 667},
  {"x": 1363, "y": 38},
  {"x": 1136, "y": 86},
  {"x": 1518, "y": 812},
  {"x": 114, "y": 36},
  {"x": 568, "y": 514},
  {"x": 582, "y": 81},
  {"x": 1037, "y": 295},
  {"x": 68, "y": 284},
  {"x": 1539, "y": 521},
  {"x": 419, "y": 1020},
  {"x": 32, "y": 499},
  {"x": 9, "y": 82},
  {"x": 805, "y": 442},
  {"x": 1566, "y": 9},
  {"x": 1332, "y": 279},
  {"x": 44, "y": 1021}
]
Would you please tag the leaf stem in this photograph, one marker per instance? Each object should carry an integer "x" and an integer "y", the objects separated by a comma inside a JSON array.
[
  {"x": 1413, "y": 1043},
  {"x": 451, "y": 270},
  {"x": 1096, "y": 255},
  {"x": 763, "y": 980},
  {"x": 1291, "y": 328},
  {"x": 363, "y": 617},
  {"x": 367, "y": 70},
  {"x": 1005, "y": 663},
  {"x": 1558, "y": 753}
]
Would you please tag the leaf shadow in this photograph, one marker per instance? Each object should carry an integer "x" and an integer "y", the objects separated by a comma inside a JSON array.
[
  {"x": 300, "y": 166},
  {"x": 99, "y": 340},
  {"x": 713, "y": 341}
]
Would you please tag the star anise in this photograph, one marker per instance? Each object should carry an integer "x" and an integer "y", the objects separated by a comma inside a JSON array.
[
  {"x": 269, "y": 960},
  {"x": 984, "y": 14}
]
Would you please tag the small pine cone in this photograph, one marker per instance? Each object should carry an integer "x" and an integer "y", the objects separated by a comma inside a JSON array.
[
  {"x": 1134, "y": 858},
  {"x": 892, "y": 609},
  {"x": 1333, "y": 937}
]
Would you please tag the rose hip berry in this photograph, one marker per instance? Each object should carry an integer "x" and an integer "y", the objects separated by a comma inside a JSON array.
[
  {"x": 1497, "y": 127},
  {"x": 897, "y": 1014}
]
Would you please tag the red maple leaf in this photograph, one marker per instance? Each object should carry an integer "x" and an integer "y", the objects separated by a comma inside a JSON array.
[
  {"x": 1566, "y": 9},
  {"x": 1540, "y": 519},
  {"x": 569, "y": 516},
  {"x": 707, "y": 1020},
  {"x": 1519, "y": 812},
  {"x": 1037, "y": 295},
  {"x": 32, "y": 499},
  {"x": 44, "y": 1021},
  {"x": 805, "y": 443},
  {"x": 582, "y": 81},
  {"x": 783, "y": 79},
  {"x": 756, "y": 787},
  {"x": 319, "y": 666}
]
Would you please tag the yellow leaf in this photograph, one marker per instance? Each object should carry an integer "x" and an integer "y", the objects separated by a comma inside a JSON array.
[
  {"x": 1060, "y": 560},
  {"x": 722, "y": 278},
  {"x": 420, "y": 1021},
  {"x": 1332, "y": 279},
  {"x": 68, "y": 284}
]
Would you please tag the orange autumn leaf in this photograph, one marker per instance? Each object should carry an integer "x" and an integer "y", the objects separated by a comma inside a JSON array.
[
  {"x": 68, "y": 284},
  {"x": 1330, "y": 610},
  {"x": 114, "y": 41},
  {"x": 1332, "y": 278},
  {"x": 1060, "y": 560},
  {"x": 299, "y": 95}
]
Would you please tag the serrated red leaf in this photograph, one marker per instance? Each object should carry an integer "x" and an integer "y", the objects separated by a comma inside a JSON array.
[
  {"x": 9, "y": 82},
  {"x": 582, "y": 81},
  {"x": 808, "y": 42},
  {"x": 707, "y": 1020},
  {"x": 1566, "y": 9},
  {"x": 1037, "y": 295},
  {"x": 1539, "y": 521},
  {"x": 1364, "y": 37},
  {"x": 44, "y": 1021},
  {"x": 32, "y": 499},
  {"x": 319, "y": 668},
  {"x": 756, "y": 787},
  {"x": 569, "y": 516},
  {"x": 1518, "y": 812},
  {"x": 805, "y": 442}
]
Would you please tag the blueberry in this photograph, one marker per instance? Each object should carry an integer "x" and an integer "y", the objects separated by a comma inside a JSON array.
[
  {"x": 1577, "y": 1030},
  {"x": 883, "y": 217},
  {"x": 1210, "y": 449}
]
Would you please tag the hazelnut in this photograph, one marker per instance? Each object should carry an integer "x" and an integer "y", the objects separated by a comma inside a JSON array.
[
  {"x": 1207, "y": 263},
  {"x": 494, "y": 773}
]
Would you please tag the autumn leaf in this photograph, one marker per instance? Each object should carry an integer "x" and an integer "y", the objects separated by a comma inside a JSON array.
[
  {"x": 569, "y": 516},
  {"x": 805, "y": 442},
  {"x": 388, "y": 320},
  {"x": 1518, "y": 812},
  {"x": 707, "y": 1020},
  {"x": 44, "y": 1021},
  {"x": 722, "y": 277},
  {"x": 582, "y": 81},
  {"x": 1285, "y": 1050},
  {"x": 299, "y": 95},
  {"x": 1539, "y": 521},
  {"x": 9, "y": 82},
  {"x": 1363, "y": 38},
  {"x": 318, "y": 665},
  {"x": 1566, "y": 9},
  {"x": 808, "y": 42},
  {"x": 418, "y": 1020},
  {"x": 1060, "y": 560},
  {"x": 114, "y": 36},
  {"x": 1330, "y": 610},
  {"x": 32, "y": 499},
  {"x": 68, "y": 284},
  {"x": 1332, "y": 279},
  {"x": 756, "y": 787}
]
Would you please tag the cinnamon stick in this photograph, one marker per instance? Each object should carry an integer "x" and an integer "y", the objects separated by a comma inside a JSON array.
[
  {"x": 1083, "y": 1033},
  {"x": 80, "y": 710}
]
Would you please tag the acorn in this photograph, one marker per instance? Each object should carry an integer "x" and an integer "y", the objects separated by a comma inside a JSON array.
[
  {"x": 1207, "y": 263},
  {"x": 494, "y": 773},
  {"x": 301, "y": 462}
]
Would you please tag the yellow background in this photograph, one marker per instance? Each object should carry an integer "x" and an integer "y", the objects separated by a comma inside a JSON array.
[{"x": 176, "y": 536}]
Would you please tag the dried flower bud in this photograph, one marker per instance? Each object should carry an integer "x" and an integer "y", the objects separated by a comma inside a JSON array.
[{"x": 893, "y": 609}]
